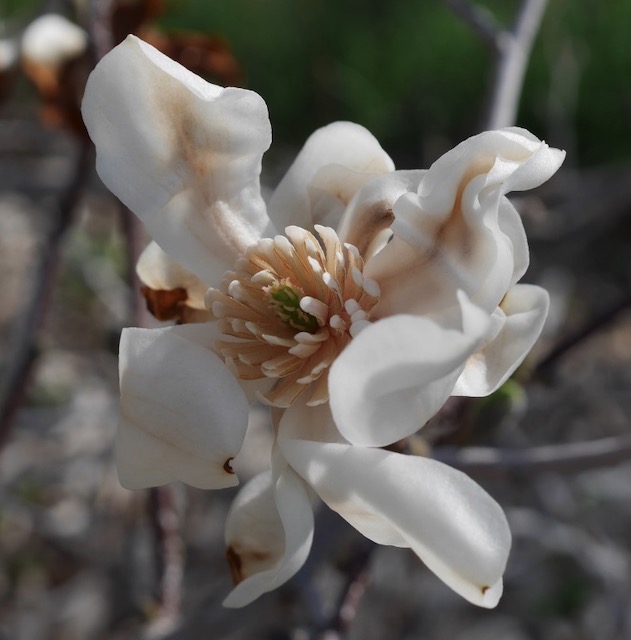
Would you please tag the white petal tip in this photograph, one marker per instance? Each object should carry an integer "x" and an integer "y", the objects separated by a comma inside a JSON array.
[{"x": 490, "y": 595}]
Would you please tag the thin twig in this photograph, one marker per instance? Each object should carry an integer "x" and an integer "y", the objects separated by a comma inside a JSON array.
[
  {"x": 479, "y": 19},
  {"x": 592, "y": 327},
  {"x": 356, "y": 582},
  {"x": 487, "y": 462},
  {"x": 100, "y": 27},
  {"x": 161, "y": 503},
  {"x": 165, "y": 522},
  {"x": 162, "y": 507},
  {"x": 513, "y": 55},
  {"x": 133, "y": 232},
  {"x": 23, "y": 351}
]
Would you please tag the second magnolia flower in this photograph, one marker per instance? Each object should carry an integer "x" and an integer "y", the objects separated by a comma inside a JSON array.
[{"x": 355, "y": 302}]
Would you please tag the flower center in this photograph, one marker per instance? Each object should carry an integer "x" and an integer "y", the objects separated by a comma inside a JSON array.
[{"x": 289, "y": 308}]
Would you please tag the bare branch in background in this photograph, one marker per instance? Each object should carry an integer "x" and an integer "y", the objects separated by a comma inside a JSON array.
[
  {"x": 511, "y": 50},
  {"x": 162, "y": 511},
  {"x": 592, "y": 327},
  {"x": 165, "y": 522},
  {"x": 101, "y": 26},
  {"x": 483, "y": 462},
  {"x": 23, "y": 342},
  {"x": 480, "y": 20},
  {"x": 357, "y": 580},
  {"x": 511, "y": 65}
]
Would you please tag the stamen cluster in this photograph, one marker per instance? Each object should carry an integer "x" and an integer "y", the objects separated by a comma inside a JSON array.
[{"x": 288, "y": 309}]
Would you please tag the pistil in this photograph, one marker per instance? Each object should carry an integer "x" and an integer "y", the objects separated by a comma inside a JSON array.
[{"x": 285, "y": 300}]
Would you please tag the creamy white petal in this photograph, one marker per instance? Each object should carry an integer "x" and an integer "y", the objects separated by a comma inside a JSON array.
[
  {"x": 356, "y": 156},
  {"x": 449, "y": 235},
  {"x": 367, "y": 219},
  {"x": 183, "y": 415},
  {"x": 448, "y": 520},
  {"x": 397, "y": 373},
  {"x": 159, "y": 272},
  {"x": 513, "y": 159},
  {"x": 511, "y": 225},
  {"x": 303, "y": 422},
  {"x": 254, "y": 531},
  {"x": 268, "y": 534},
  {"x": 184, "y": 155},
  {"x": 523, "y": 312}
]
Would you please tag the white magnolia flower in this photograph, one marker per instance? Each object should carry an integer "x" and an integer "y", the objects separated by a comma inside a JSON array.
[
  {"x": 355, "y": 303},
  {"x": 52, "y": 40}
]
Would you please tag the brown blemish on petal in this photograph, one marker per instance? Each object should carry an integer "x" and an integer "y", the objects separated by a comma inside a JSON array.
[
  {"x": 227, "y": 466},
  {"x": 449, "y": 233},
  {"x": 453, "y": 232},
  {"x": 204, "y": 160},
  {"x": 373, "y": 219},
  {"x": 165, "y": 304},
  {"x": 235, "y": 564},
  {"x": 246, "y": 563},
  {"x": 484, "y": 589}
]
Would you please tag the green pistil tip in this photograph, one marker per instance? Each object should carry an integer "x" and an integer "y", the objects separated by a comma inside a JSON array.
[{"x": 286, "y": 302}]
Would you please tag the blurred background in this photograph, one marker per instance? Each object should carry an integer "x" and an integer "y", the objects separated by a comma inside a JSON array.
[{"x": 82, "y": 558}]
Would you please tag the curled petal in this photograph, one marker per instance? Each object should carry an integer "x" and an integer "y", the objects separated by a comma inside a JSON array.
[
  {"x": 512, "y": 159},
  {"x": 183, "y": 415},
  {"x": 253, "y": 543},
  {"x": 160, "y": 273},
  {"x": 459, "y": 231},
  {"x": 184, "y": 155},
  {"x": 511, "y": 225},
  {"x": 522, "y": 314},
  {"x": 398, "y": 372},
  {"x": 448, "y": 520},
  {"x": 311, "y": 186},
  {"x": 367, "y": 219},
  {"x": 268, "y": 534}
]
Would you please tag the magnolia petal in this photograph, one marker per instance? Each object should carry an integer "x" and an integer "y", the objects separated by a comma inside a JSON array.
[
  {"x": 268, "y": 534},
  {"x": 371, "y": 211},
  {"x": 254, "y": 530},
  {"x": 539, "y": 166},
  {"x": 331, "y": 189},
  {"x": 397, "y": 373},
  {"x": 184, "y": 155},
  {"x": 459, "y": 231},
  {"x": 449, "y": 521},
  {"x": 303, "y": 422},
  {"x": 523, "y": 312},
  {"x": 183, "y": 415},
  {"x": 345, "y": 145},
  {"x": 511, "y": 225},
  {"x": 512, "y": 158},
  {"x": 160, "y": 273}
]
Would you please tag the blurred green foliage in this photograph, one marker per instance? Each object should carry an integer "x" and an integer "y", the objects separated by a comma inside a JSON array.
[
  {"x": 417, "y": 76},
  {"x": 18, "y": 9}
]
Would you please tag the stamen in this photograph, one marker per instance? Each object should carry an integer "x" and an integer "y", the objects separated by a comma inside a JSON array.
[
  {"x": 351, "y": 306},
  {"x": 287, "y": 310},
  {"x": 337, "y": 323},
  {"x": 315, "y": 308}
]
